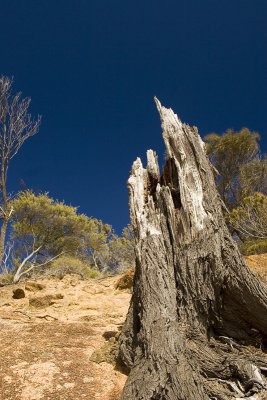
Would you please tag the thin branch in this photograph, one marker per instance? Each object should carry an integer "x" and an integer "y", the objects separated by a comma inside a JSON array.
[
  {"x": 18, "y": 275},
  {"x": 6, "y": 257}
]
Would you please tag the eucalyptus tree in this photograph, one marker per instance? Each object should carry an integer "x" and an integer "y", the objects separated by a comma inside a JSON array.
[
  {"x": 240, "y": 170},
  {"x": 44, "y": 229}
]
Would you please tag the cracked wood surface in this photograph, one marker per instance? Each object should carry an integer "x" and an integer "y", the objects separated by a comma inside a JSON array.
[{"x": 191, "y": 286}]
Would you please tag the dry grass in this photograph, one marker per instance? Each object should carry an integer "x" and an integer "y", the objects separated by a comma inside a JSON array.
[{"x": 258, "y": 263}]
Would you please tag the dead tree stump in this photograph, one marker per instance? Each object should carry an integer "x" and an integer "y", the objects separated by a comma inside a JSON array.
[{"x": 197, "y": 322}]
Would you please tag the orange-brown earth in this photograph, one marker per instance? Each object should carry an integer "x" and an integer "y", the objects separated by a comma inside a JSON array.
[
  {"x": 259, "y": 264},
  {"x": 50, "y": 339}
]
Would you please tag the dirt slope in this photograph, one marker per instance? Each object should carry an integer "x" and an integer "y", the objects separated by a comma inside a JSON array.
[
  {"x": 259, "y": 264},
  {"x": 48, "y": 337}
]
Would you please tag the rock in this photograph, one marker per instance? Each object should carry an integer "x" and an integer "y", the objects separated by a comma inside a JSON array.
[
  {"x": 18, "y": 293},
  {"x": 34, "y": 286},
  {"x": 45, "y": 301},
  {"x": 126, "y": 280},
  {"x": 109, "y": 334}
]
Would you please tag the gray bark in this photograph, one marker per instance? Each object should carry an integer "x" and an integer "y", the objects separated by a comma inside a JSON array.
[
  {"x": 16, "y": 126},
  {"x": 196, "y": 306}
]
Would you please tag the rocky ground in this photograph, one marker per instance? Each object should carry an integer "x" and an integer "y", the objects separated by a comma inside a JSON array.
[{"x": 51, "y": 339}]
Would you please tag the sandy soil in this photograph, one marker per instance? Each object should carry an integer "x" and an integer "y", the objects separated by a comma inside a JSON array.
[{"x": 48, "y": 337}]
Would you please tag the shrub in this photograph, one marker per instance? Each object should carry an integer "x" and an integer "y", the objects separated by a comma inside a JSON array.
[
  {"x": 6, "y": 279},
  {"x": 70, "y": 265},
  {"x": 254, "y": 247},
  {"x": 250, "y": 221}
]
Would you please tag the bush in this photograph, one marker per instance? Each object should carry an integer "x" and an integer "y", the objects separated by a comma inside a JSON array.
[
  {"x": 250, "y": 222},
  {"x": 254, "y": 247},
  {"x": 70, "y": 265},
  {"x": 6, "y": 279}
]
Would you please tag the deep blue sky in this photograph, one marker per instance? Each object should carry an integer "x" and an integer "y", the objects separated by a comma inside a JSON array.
[{"x": 93, "y": 67}]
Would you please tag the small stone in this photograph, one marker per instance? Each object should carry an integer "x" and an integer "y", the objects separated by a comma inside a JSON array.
[{"x": 18, "y": 293}]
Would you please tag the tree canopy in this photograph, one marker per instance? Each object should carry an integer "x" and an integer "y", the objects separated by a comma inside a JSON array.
[
  {"x": 241, "y": 179},
  {"x": 44, "y": 229},
  {"x": 234, "y": 154}
]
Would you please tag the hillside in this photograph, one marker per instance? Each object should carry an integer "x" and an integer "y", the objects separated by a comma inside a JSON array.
[
  {"x": 259, "y": 264},
  {"x": 49, "y": 338}
]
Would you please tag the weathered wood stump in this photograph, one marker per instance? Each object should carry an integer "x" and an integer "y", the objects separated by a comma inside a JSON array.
[{"x": 198, "y": 315}]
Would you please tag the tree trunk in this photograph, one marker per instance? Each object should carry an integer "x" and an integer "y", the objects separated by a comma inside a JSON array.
[
  {"x": 3, "y": 231},
  {"x": 196, "y": 306},
  {"x": 4, "y": 204}
]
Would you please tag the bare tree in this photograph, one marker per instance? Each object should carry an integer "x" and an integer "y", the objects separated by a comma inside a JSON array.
[
  {"x": 197, "y": 322},
  {"x": 4, "y": 267},
  {"x": 16, "y": 125},
  {"x": 29, "y": 263}
]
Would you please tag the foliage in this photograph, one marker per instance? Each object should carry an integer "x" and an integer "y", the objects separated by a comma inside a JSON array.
[
  {"x": 250, "y": 220},
  {"x": 250, "y": 247},
  {"x": 235, "y": 156},
  {"x": 123, "y": 249},
  {"x": 108, "y": 251},
  {"x": 6, "y": 279},
  {"x": 71, "y": 265},
  {"x": 44, "y": 229},
  {"x": 253, "y": 177},
  {"x": 40, "y": 221},
  {"x": 241, "y": 178},
  {"x": 118, "y": 253},
  {"x": 121, "y": 253},
  {"x": 95, "y": 242},
  {"x": 128, "y": 233}
]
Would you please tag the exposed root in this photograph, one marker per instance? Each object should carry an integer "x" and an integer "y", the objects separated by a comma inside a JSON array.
[
  {"x": 230, "y": 370},
  {"x": 220, "y": 368}
]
